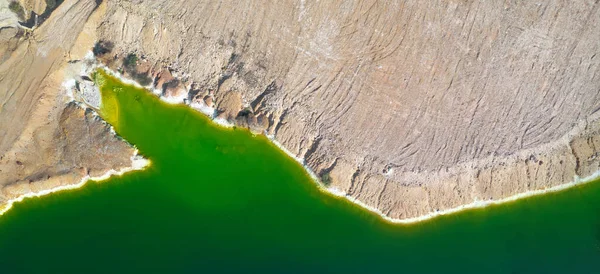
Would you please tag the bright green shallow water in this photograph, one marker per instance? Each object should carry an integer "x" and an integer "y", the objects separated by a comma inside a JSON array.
[{"x": 223, "y": 201}]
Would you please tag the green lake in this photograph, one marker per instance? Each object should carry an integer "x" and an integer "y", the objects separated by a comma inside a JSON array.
[{"x": 221, "y": 200}]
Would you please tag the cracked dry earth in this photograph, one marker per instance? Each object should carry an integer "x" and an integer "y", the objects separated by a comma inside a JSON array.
[{"x": 410, "y": 107}]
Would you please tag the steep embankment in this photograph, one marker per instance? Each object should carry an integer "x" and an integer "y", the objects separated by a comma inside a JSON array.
[
  {"x": 45, "y": 141},
  {"x": 408, "y": 107}
]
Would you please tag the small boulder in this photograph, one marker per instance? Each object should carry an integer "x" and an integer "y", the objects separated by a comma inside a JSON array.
[
  {"x": 164, "y": 76},
  {"x": 209, "y": 101}
]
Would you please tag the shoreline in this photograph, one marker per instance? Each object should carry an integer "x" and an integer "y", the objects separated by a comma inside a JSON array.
[
  {"x": 209, "y": 113},
  {"x": 337, "y": 193},
  {"x": 471, "y": 206},
  {"x": 478, "y": 204},
  {"x": 137, "y": 163}
]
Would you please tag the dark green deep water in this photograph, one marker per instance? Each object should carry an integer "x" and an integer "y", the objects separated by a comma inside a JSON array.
[{"x": 223, "y": 201}]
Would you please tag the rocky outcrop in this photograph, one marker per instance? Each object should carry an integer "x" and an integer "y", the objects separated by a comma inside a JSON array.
[
  {"x": 46, "y": 142},
  {"x": 409, "y": 107},
  {"x": 79, "y": 145}
]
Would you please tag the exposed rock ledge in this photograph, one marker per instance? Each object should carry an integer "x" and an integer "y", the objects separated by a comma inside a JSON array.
[{"x": 408, "y": 107}]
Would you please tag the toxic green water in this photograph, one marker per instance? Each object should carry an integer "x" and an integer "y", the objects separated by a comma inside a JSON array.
[{"x": 224, "y": 201}]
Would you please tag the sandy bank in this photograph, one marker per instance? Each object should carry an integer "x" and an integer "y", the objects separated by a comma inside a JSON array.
[{"x": 137, "y": 163}]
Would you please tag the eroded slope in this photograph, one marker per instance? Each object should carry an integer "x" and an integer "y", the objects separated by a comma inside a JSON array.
[
  {"x": 46, "y": 142},
  {"x": 410, "y": 107}
]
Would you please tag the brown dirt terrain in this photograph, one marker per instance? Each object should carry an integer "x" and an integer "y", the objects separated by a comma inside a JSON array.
[
  {"x": 410, "y": 107},
  {"x": 10, "y": 32},
  {"x": 46, "y": 142}
]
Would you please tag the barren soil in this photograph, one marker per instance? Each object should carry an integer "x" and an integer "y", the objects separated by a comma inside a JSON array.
[
  {"x": 45, "y": 141},
  {"x": 410, "y": 107}
]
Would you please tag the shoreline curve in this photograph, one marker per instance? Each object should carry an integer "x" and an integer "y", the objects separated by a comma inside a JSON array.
[
  {"x": 478, "y": 204},
  {"x": 137, "y": 163}
]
